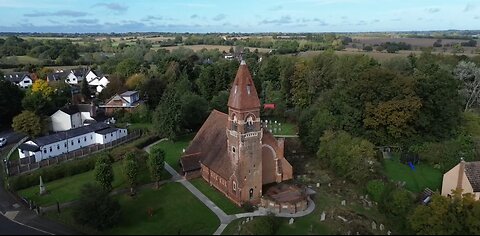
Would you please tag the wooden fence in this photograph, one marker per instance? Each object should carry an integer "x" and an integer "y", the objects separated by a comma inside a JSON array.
[{"x": 28, "y": 164}]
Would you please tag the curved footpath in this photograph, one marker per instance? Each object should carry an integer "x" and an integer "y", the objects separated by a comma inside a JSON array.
[{"x": 224, "y": 218}]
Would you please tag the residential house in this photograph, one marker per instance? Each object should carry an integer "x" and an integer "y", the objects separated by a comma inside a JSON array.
[
  {"x": 21, "y": 79},
  {"x": 76, "y": 76},
  {"x": 58, "y": 75},
  {"x": 465, "y": 177},
  {"x": 67, "y": 141},
  {"x": 97, "y": 81},
  {"x": 126, "y": 101},
  {"x": 74, "y": 116}
]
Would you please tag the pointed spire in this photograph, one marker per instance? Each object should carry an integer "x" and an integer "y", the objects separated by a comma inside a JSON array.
[{"x": 243, "y": 94}]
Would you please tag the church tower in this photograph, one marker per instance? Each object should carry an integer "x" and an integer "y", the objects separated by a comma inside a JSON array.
[{"x": 244, "y": 137}]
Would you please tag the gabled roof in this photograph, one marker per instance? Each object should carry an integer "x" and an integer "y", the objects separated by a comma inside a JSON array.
[
  {"x": 472, "y": 170},
  {"x": 70, "y": 110},
  {"x": 106, "y": 131},
  {"x": 61, "y": 136},
  {"x": 210, "y": 146},
  {"x": 84, "y": 107},
  {"x": 28, "y": 147},
  {"x": 56, "y": 76},
  {"x": 115, "y": 97},
  {"x": 128, "y": 93},
  {"x": 16, "y": 77},
  {"x": 243, "y": 94}
]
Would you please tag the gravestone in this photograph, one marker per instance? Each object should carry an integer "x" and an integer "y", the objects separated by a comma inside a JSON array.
[
  {"x": 342, "y": 218},
  {"x": 323, "y": 216},
  {"x": 389, "y": 232},
  {"x": 243, "y": 222},
  {"x": 42, "y": 187},
  {"x": 374, "y": 225},
  {"x": 291, "y": 221},
  {"x": 344, "y": 203},
  {"x": 318, "y": 185},
  {"x": 382, "y": 227},
  {"x": 275, "y": 122},
  {"x": 329, "y": 185}
]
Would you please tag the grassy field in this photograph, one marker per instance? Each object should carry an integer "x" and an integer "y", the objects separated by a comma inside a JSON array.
[
  {"x": 217, "y": 197},
  {"x": 174, "y": 150},
  {"x": 15, "y": 60},
  {"x": 68, "y": 189},
  {"x": 424, "y": 176},
  {"x": 175, "y": 211}
]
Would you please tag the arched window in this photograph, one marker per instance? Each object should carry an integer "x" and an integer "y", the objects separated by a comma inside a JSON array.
[
  {"x": 234, "y": 122},
  {"x": 249, "y": 126},
  {"x": 234, "y": 186},
  {"x": 251, "y": 193}
]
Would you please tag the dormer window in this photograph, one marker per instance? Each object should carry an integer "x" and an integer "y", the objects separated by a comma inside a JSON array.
[
  {"x": 248, "y": 89},
  {"x": 236, "y": 88}
]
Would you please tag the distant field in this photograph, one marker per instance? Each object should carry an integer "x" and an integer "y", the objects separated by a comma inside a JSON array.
[
  {"x": 419, "y": 42},
  {"x": 200, "y": 47},
  {"x": 380, "y": 56},
  {"x": 22, "y": 60}
]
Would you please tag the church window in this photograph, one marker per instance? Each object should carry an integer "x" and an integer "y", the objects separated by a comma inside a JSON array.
[
  {"x": 234, "y": 186},
  {"x": 251, "y": 193},
  {"x": 233, "y": 149},
  {"x": 249, "y": 125},
  {"x": 248, "y": 89}
]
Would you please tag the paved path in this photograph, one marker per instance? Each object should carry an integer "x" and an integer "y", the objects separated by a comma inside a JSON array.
[
  {"x": 285, "y": 135},
  {"x": 224, "y": 218}
]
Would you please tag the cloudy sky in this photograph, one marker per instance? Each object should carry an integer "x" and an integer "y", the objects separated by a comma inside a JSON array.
[{"x": 237, "y": 16}]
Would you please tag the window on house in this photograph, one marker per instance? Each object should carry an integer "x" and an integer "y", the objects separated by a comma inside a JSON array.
[
  {"x": 65, "y": 144},
  {"x": 44, "y": 150},
  {"x": 78, "y": 140},
  {"x": 50, "y": 149},
  {"x": 111, "y": 135},
  {"x": 58, "y": 147},
  {"x": 72, "y": 142},
  {"x": 91, "y": 137},
  {"x": 84, "y": 139}
]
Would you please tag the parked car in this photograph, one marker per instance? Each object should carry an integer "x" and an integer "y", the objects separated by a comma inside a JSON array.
[{"x": 3, "y": 142}]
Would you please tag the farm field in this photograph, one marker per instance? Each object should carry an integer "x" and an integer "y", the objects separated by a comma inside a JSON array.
[{"x": 200, "y": 47}]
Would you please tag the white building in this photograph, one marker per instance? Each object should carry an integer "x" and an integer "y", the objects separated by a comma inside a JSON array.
[
  {"x": 67, "y": 141},
  {"x": 21, "y": 79},
  {"x": 76, "y": 76},
  {"x": 72, "y": 117}
]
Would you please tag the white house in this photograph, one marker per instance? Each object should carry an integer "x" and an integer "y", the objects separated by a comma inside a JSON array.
[
  {"x": 72, "y": 117},
  {"x": 67, "y": 141},
  {"x": 76, "y": 76},
  {"x": 21, "y": 79},
  {"x": 58, "y": 75},
  {"x": 95, "y": 79}
]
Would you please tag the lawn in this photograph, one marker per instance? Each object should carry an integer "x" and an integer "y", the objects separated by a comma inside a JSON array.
[
  {"x": 424, "y": 176},
  {"x": 217, "y": 197},
  {"x": 174, "y": 150},
  {"x": 68, "y": 189},
  {"x": 281, "y": 127},
  {"x": 175, "y": 211}
]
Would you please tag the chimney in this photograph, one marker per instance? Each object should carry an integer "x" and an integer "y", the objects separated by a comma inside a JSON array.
[
  {"x": 461, "y": 172},
  {"x": 93, "y": 110}
]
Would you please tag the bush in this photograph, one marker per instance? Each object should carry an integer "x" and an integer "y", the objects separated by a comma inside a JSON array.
[
  {"x": 248, "y": 207},
  {"x": 376, "y": 189},
  {"x": 143, "y": 142},
  {"x": 96, "y": 208}
]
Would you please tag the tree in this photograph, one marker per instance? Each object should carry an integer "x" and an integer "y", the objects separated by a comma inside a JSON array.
[
  {"x": 167, "y": 118},
  {"x": 398, "y": 202},
  {"x": 352, "y": 158},
  {"x": 131, "y": 170},
  {"x": 469, "y": 74},
  {"x": 85, "y": 89},
  {"x": 37, "y": 103},
  {"x": 41, "y": 86},
  {"x": 104, "y": 172},
  {"x": 135, "y": 81},
  {"x": 220, "y": 101},
  {"x": 128, "y": 66},
  {"x": 193, "y": 110},
  {"x": 96, "y": 208},
  {"x": 28, "y": 123},
  {"x": 43, "y": 72},
  {"x": 10, "y": 104},
  {"x": 152, "y": 90},
  {"x": 157, "y": 164}
]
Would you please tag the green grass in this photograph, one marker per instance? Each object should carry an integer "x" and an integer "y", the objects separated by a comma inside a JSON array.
[
  {"x": 15, "y": 156},
  {"x": 217, "y": 197},
  {"x": 175, "y": 211},
  {"x": 423, "y": 177},
  {"x": 287, "y": 128},
  {"x": 173, "y": 150},
  {"x": 68, "y": 189},
  {"x": 23, "y": 60}
]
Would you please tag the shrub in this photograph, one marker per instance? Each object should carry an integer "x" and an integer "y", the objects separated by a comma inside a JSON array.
[
  {"x": 96, "y": 208},
  {"x": 248, "y": 207},
  {"x": 376, "y": 189}
]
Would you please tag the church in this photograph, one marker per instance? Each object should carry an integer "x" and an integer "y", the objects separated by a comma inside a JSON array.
[{"x": 233, "y": 153}]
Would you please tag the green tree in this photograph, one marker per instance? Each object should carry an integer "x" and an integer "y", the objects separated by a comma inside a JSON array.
[
  {"x": 220, "y": 102},
  {"x": 128, "y": 67},
  {"x": 167, "y": 118},
  {"x": 157, "y": 164},
  {"x": 104, "y": 172},
  {"x": 351, "y": 158},
  {"x": 28, "y": 123},
  {"x": 96, "y": 208},
  {"x": 398, "y": 202},
  {"x": 10, "y": 104},
  {"x": 193, "y": 111},
  {"x": 131, "y": 169}
]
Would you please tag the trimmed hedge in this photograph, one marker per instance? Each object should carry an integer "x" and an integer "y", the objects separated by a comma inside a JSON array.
[{"x": 52, "y": 173}]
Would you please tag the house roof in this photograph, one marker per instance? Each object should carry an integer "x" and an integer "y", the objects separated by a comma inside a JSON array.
[
  {"x": 472, "y": 170},
  {"x": 210, "y": 146},
  {"x": 28, "y": 147},
  {"x": 129, "y": 93},
  {"x": 16, "y": 77},
  {"x": 70, "y": 110},
  {"x": 243, "y": 94},
  {"x": 191, "y": 162},
  {"x": 61, "y": 136},
  {"x": 106, "y": 131},
  {"x": 56, "y": 76}
]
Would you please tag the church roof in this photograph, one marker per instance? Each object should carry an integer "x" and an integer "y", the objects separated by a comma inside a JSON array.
[{"x": 243, "y": 94}]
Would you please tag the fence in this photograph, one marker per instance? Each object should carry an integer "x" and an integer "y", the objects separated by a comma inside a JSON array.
[{"x": 28, "y": 164}]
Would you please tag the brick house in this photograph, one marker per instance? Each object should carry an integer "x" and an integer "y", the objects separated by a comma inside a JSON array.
[
  {"x": 232, "y": 152},
  {"x": 126, "y": 101}
]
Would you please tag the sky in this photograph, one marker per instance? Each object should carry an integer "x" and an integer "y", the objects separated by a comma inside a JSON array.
[{"x": 247, "y": 16}]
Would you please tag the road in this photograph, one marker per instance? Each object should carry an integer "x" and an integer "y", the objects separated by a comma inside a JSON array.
[
  {"x": 8, "y": 227},
  {"x": 12, "y": 138}
]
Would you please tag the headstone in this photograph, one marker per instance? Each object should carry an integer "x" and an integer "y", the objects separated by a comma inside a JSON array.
[
  {"x": 329, "y": 185},
  {"x": 243, "y": 222},
  {"x": 389, "y": 232},
  {"x": 183, "y": 150},
  {"x": 270, "y": 131},
  {"x": 361, "y": 197},
  {"x": 344, "y": 203},
  {"x": 342, "y": 218},
  {"x": 322, "y": 216},
  {"x": 42, "y": 187},
  {"x": 369, "y": 204},
  {"x": 291, "y": 221},
  {"x": 248, "y": 219},
  {"x": 374, "y": 225},
  {"x": 382, "y": 227},
  {"x": 318, "y": 185},
  {"x": 239, "y": 228}
]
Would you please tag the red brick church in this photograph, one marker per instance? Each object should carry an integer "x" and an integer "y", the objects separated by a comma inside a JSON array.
[{"x": 233, "y": 152}]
